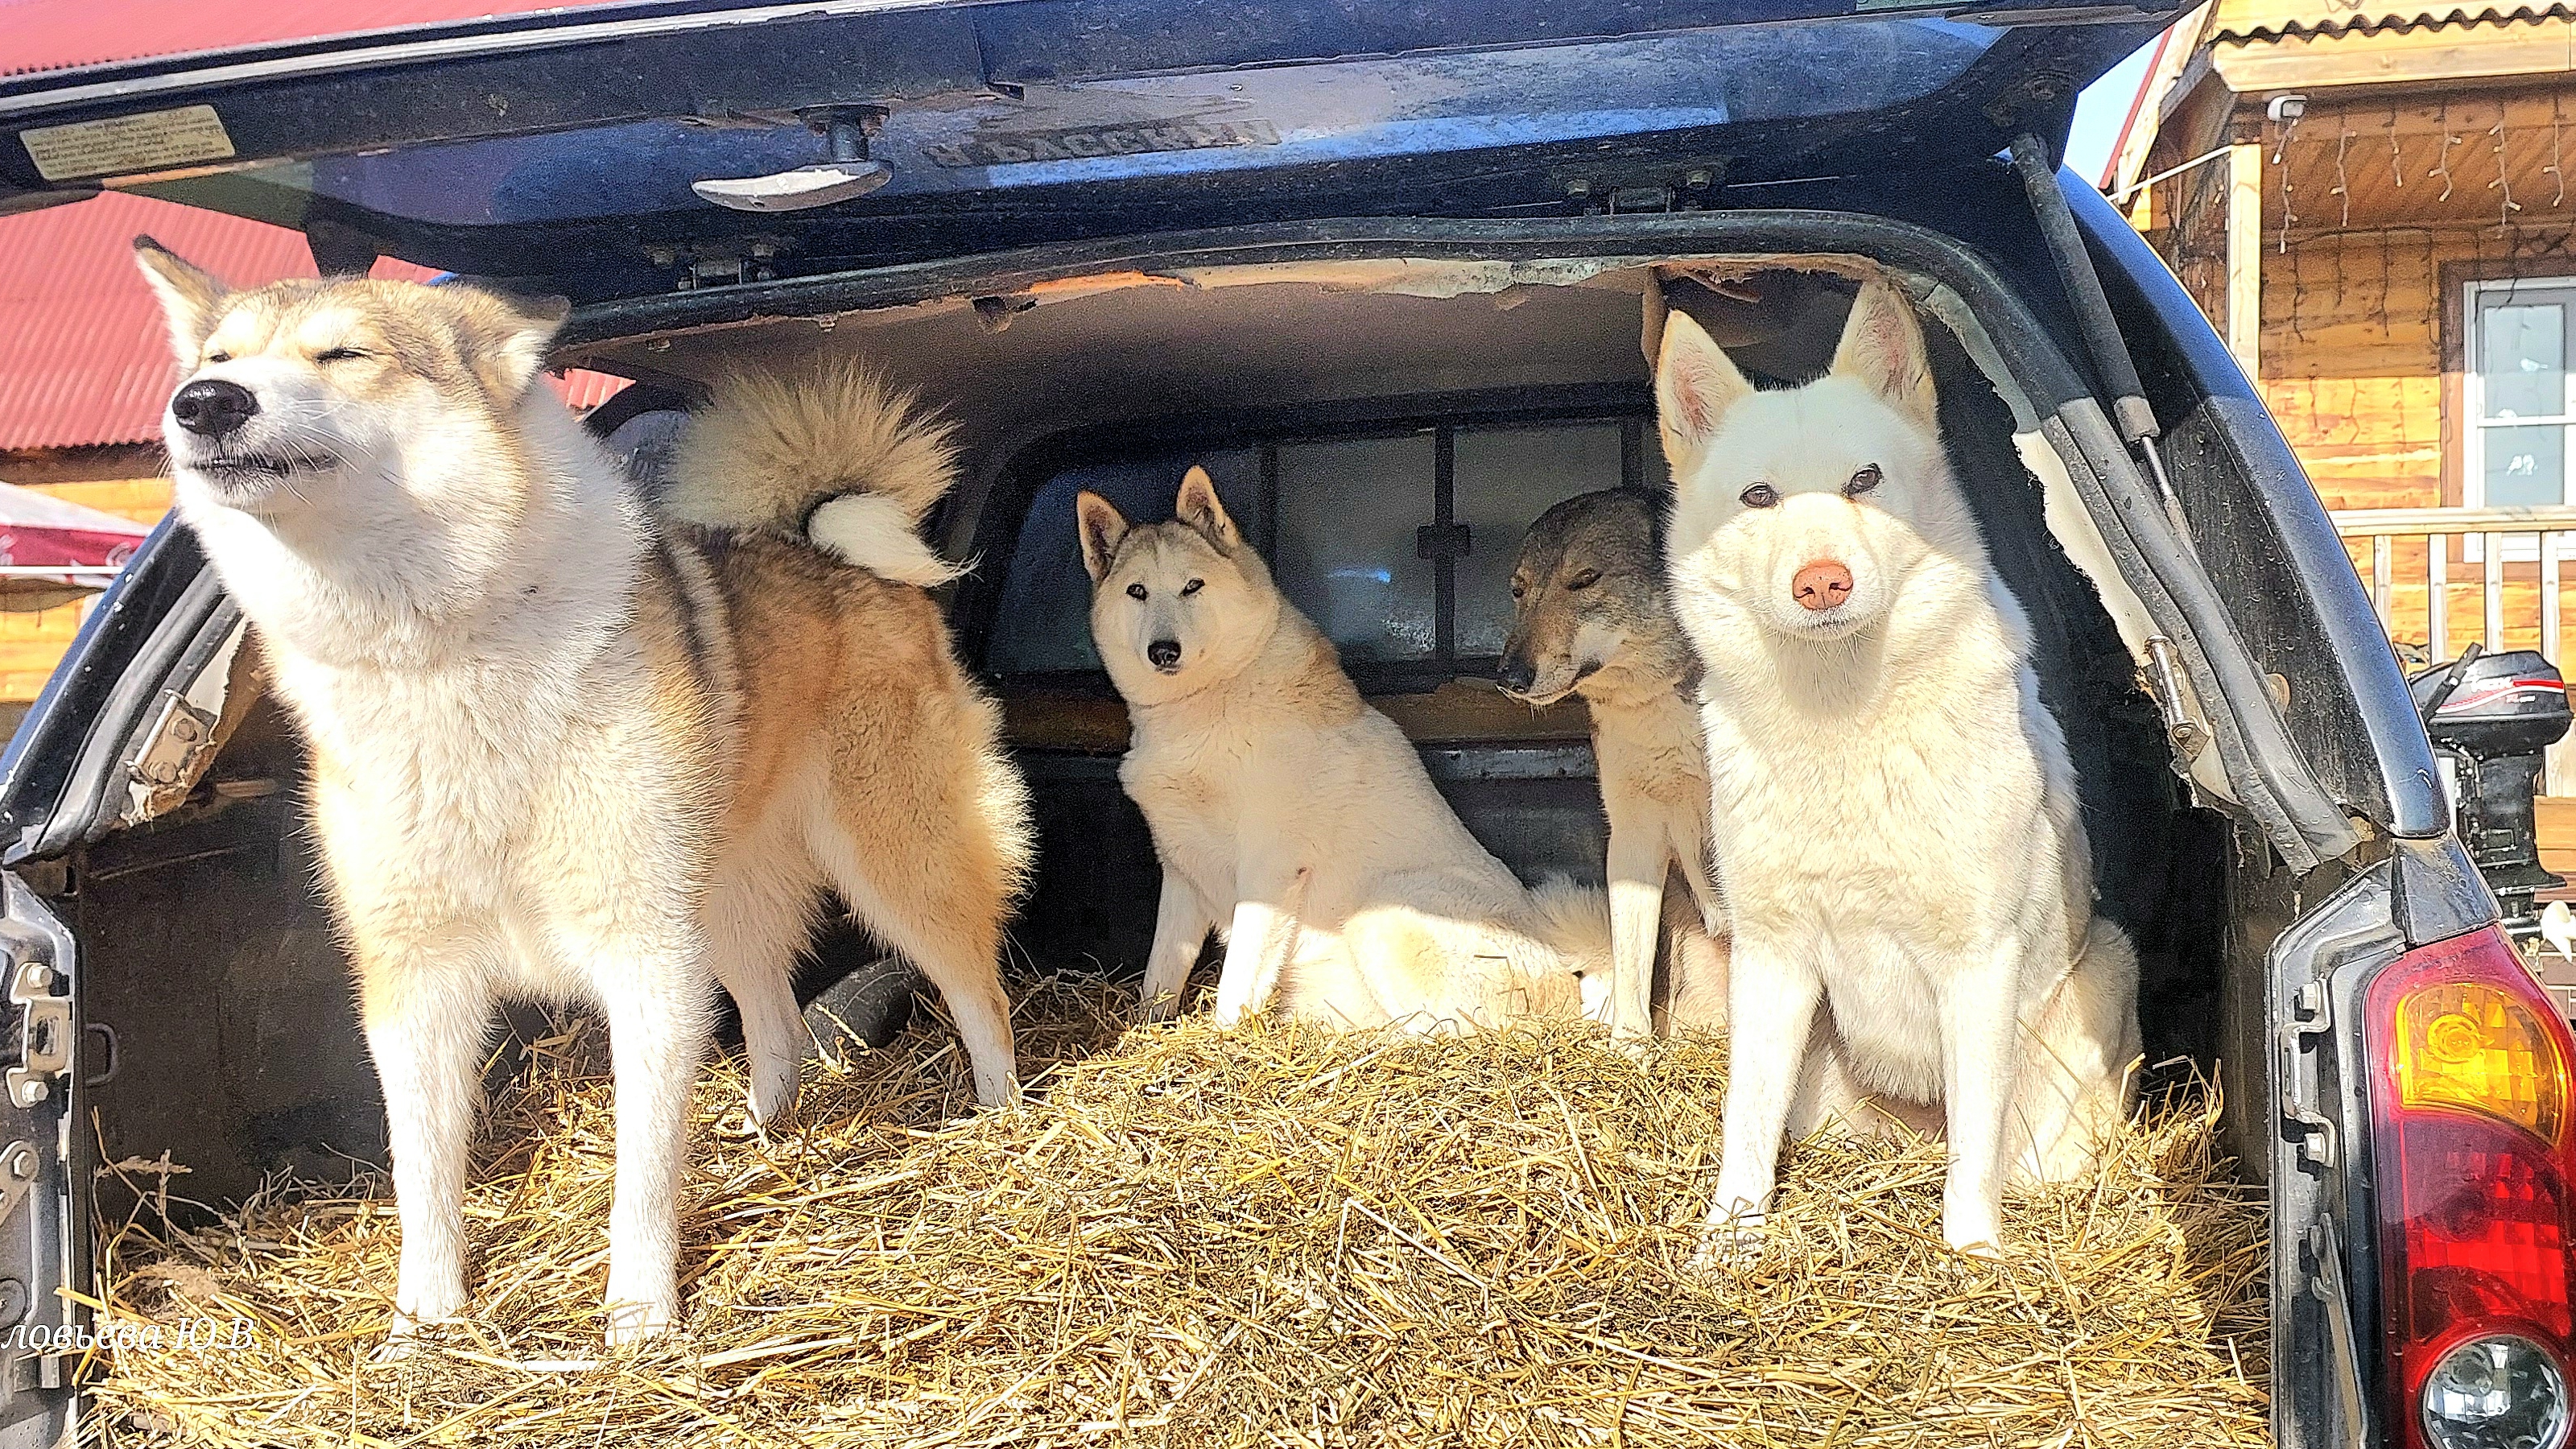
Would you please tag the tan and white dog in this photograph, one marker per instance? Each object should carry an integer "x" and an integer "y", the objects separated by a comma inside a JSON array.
[
  {"x": 565, "y": 749},
  {"x": 1892, "y": 807},
  {"x": 1293, "y": 816},
  {"x": 1589, "y": 618}
]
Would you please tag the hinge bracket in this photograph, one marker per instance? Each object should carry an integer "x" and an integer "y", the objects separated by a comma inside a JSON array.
[
  {"x": 2313, "y": 1015},
  {"x": 44, "y": 1033}
]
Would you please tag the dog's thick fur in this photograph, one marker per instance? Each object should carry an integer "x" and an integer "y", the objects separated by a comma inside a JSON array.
[
  {"x": 1291, "y": 814},
  {"x": 563, "y": 748},
  {"x": 1893, "y": 809},
  {"x": 1589, "y": 618}
]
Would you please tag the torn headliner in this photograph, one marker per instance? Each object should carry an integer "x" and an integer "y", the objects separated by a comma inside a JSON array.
[
  {"x": 1133, "y": 345},
  {"x": 1103, "y": 348}
]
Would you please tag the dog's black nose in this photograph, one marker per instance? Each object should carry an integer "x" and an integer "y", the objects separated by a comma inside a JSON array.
[
  {"x": 1164, "y": 652},
  {"x": 212, "y": 407},
  {"x": 1516, "y": 675}
]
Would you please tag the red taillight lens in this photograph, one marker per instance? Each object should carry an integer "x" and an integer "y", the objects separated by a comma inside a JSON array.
[{"x": 2469, "y": 1103}]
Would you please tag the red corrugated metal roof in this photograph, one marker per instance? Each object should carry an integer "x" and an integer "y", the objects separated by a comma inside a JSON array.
[
  {"x": 83, "y": 355},
  {"x": 53, "y": 34},
  {"x": 84, "y": 360}
]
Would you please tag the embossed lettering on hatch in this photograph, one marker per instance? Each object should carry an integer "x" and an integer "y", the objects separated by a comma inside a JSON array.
[{"x": 1092, "y": 141}]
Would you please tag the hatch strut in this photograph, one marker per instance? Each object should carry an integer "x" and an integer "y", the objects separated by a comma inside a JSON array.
[{"x": 2110, "y": 352}]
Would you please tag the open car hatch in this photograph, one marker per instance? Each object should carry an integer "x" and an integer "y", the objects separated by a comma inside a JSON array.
[{"x": 628, "y": 149}]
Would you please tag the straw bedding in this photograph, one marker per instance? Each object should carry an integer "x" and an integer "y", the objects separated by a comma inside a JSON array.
[{"x": 1272, "y": 1237}]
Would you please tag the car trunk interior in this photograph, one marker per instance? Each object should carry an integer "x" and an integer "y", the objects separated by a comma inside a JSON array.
[{"x": 1356, "y": 412}]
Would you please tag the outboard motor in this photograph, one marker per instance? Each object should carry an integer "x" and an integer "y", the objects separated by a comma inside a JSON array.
[{"x": 2491, "y": 717}]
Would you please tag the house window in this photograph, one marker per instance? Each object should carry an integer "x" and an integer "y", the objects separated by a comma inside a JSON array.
[
  {"x": 2517, "y": 395},
  {"x": 1397, "y": 543}
]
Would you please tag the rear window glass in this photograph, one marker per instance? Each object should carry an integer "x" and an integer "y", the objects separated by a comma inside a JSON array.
[
  {"x": 1399, "y": 545},
  {"x": 1045, "y": 613}
]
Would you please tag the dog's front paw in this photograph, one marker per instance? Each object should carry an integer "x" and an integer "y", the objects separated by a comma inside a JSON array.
[
  {"x": 424, "y": 1298},
  {"x": 1978, "y": 1238},
  {"x": 1729, "y": 1246},
  {"x": 773, "y": 1094},
  {"x": 634, "y": 1322},
  {"x": 402, "y": 1335}
]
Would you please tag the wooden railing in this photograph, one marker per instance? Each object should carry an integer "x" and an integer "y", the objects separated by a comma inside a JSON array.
[
  {"x": 2492, "y": 527},
  {"x": 2518, "y": 585}
]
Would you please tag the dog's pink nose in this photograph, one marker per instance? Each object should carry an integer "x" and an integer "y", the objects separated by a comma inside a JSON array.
[{"x": 1822, "y": 584}]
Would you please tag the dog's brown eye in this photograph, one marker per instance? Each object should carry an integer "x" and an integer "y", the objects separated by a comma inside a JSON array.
[
  {"x": 1861, "y": 482},
  {"x": 1584, "y": 580},
  {"x": 1192, "y": 587},
  {"x": 1135, "y": 591},
  {"x": 1761, "y": 495},
  {"x": 1519, "y": 588},
  {"x": 214, "y": 357},
  {"x": 339, "y": 354}
]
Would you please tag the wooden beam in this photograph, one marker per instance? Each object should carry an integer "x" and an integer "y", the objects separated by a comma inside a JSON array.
[
  {"x": 2410, "y": 522},
  {"x": 2391, "y": 57},
  {"x": 2245, "y": 255}
]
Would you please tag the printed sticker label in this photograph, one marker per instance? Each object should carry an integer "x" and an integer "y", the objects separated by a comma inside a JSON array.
[
  {"x": 152, "y": 141},
  {"x": 1095, "y": 141}
]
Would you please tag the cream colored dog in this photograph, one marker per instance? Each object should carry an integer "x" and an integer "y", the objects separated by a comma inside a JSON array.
[
  {"x": 1893, "y": 809},
  {"x": 564, "y": 749},
  {"x": 1291, "y": 814}
]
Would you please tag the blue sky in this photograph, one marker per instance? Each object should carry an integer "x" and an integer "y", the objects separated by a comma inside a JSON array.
[{"x": 2099, "y": 111}]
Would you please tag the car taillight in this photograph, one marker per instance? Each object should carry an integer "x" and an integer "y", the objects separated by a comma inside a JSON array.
[{"x": 2470, "y": 1105}]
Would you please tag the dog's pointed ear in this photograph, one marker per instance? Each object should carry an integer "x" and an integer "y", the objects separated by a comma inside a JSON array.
[
  {"x": 1102, "y": 528},
  {"x": 1883, "y": 346},
  {"x": 189, "y": 296},
  {"x": 1695, "y": 383},
  {"x": 1200, "y": 508},
  {"x": 505, "y": 339}
]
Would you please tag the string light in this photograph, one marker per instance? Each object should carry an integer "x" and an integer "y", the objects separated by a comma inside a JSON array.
[
  {"x": 2551, "y": 170},
  {"x": 2280, "y": 148},
  {"x": 2343, "y": 182},
  {"x": 2504, "y": 217},
  {"x": 2448, "y": 141}
]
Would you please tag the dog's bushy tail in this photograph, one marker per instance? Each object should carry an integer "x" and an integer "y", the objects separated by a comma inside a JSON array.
[
  {"x": 1574, "y": 919},
  {"x": 839, "y": 456}
]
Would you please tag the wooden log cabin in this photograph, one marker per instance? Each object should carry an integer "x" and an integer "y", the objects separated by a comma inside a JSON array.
[{"x": 2371, "y": 204}]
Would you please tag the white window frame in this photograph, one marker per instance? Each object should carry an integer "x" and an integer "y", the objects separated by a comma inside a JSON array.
[{"x": 2474, "y": 422}]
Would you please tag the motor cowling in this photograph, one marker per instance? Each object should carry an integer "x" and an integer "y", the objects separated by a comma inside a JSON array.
[{"x": 2492, "y": 719}]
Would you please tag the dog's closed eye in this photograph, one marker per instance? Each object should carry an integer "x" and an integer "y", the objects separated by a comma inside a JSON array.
[
  {"x": 1135, "y": 591},
  {"x": 1584, "y": 580},
  {"x": 338, "y": 354}
]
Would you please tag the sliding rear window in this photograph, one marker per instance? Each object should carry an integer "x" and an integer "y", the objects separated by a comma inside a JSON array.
[{"x": 1397, "y": 541}]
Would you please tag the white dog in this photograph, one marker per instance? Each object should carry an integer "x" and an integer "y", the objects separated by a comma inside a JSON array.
[
  {"x": 1892, "y": 807},
  {"x": 1289, "y": 812}
]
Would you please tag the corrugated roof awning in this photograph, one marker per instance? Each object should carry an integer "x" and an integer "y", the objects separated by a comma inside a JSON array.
[{"x": 2273, "y": 19}]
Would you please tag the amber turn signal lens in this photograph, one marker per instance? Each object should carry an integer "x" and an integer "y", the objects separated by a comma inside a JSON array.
[{"x": 2479, "y": 1049}]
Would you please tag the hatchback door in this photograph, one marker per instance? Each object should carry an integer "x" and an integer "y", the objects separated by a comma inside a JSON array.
[{"x": 567, "y": 149}]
